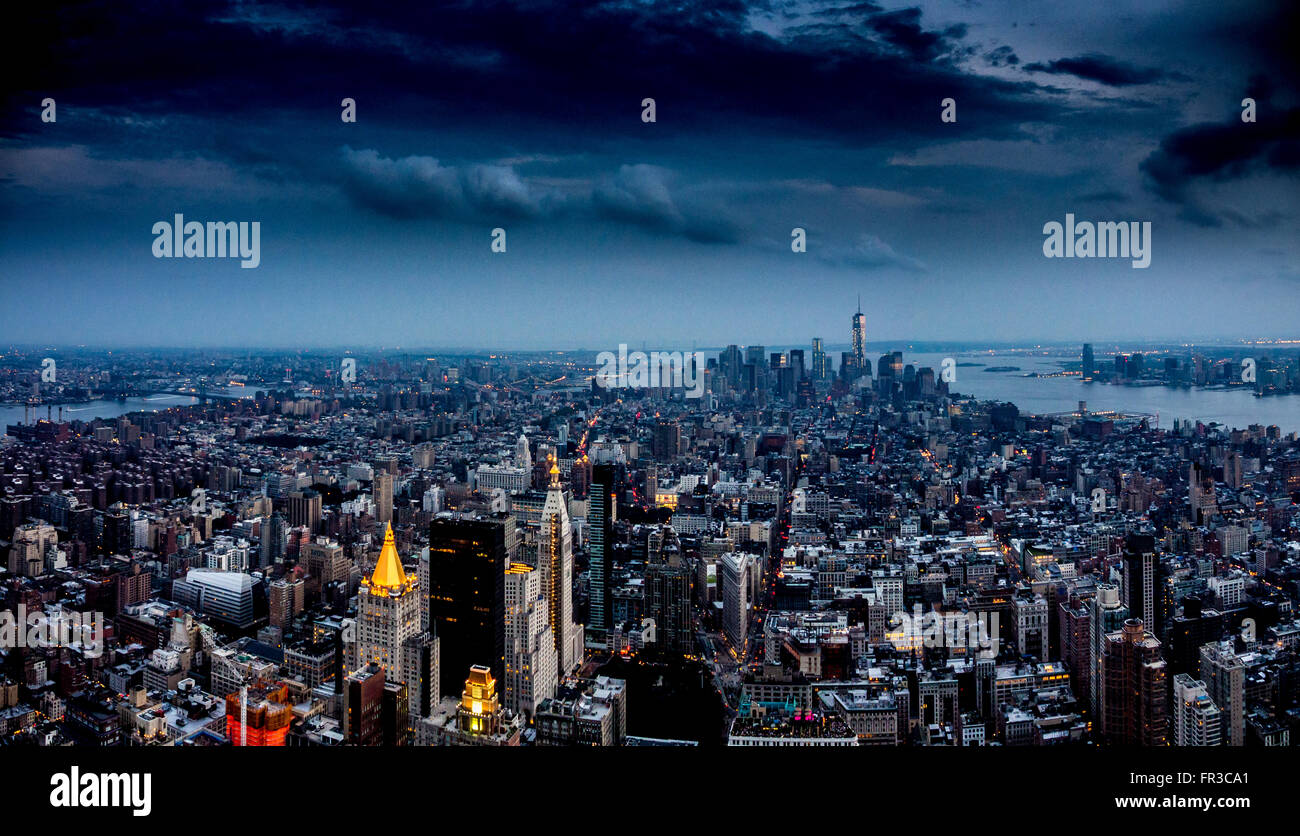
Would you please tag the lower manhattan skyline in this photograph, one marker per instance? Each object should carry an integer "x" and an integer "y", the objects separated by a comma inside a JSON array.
[{"x": 433, "y": 381}]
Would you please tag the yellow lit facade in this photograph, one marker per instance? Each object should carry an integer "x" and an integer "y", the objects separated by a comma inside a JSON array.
[{"x": 480, "y": 711}]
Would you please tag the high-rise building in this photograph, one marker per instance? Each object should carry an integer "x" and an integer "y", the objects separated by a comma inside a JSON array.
[
  {"x": 287, "y": 599},
  {"x": 394, "y": 715},
  {"x": 305, "y": 509},
  {"x": 555, "y": 560},
  {"x": 602, "y": 508},
  {"x": 821, "y": 367},
  {"x": 1197, "y": 720},
  {"x": 275, "y": 534},
  {"x": 668, "y": 580},
  {"x": 799, "y": 369},
  {"x": 1232, "y": 470},
  {"x": 754, "y": 361},
  {"x": 1224, "y": 675},
  {"x": 363, "y": 706},
  {"x": 382, "y": 488},
  {"x": 388, "y": 624},
  {"x": 735, "y": 597},
  {"x": 1074, "y": 622},
  {"x": 422, "y": 669},
  {"x": 729, "y": 366},
  {"x": 530, "y": 667},
  {"x": 325, "y": 561},
  {"x": 1106, "y": 615},
  {"x": 468, "y": 556},
  {"x": 523, "y": 456},
  {"x": 1200, "y": 492},
  {"x": 1089, "y": 364},
  {"x": 1139, "y": 579},
  {"x": 1134, "y": 679},
  {"x": 859, "y": 340},
  {"x": 666, "y": 440}
]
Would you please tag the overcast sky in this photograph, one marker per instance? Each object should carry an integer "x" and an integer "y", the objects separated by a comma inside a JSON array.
[{"x": 527, "y": 116}]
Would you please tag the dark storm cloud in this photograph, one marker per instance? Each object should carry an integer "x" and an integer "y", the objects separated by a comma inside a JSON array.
[
  {"x": 903, "y": 29},
  {"x": 1222, "y": 151},
  {"x": 422, "y": 187},
  {"x": 644, "y": 196},
  {"x": 503, "y": 65},
  {"x": 1003, "y": 56},
  {"x": 1099, "y": 68}
]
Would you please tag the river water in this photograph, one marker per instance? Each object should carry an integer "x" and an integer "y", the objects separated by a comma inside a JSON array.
[
  {"x": 1236, "y": 408},
  {"x": 96, "y": 409}
]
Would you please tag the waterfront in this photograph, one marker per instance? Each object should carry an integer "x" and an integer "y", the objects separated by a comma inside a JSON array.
[
  {"x": 96, "y": 409},
  {"x": 1236, "y": 408}
]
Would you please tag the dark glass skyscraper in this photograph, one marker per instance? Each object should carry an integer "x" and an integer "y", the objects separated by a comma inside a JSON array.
[
  {"x": 468, "y": 556},
  {"x": 600, "y": 519}
]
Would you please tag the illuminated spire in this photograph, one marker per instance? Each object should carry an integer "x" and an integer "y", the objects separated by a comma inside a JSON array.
[
  {"x": 555, "y": 471},
  {"x": 388, "y": 571}
]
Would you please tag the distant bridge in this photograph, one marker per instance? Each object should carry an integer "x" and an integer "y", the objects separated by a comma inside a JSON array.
[{"x": 201, "y": 394}]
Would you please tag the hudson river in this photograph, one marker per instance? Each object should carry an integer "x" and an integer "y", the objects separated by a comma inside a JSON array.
[{"x": 1236, "y": 408}]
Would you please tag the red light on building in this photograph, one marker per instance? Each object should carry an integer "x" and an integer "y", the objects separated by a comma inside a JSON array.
[{"x": 267, "y": 716}]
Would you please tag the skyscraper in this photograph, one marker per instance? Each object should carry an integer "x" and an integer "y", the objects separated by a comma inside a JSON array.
[
  {"x": 275, "y": 532},
  {"x": 1133, "y": 676},
  {"x": 1139, "y": 580},
  {"x": 859, "y": 341},
  {"x": 555, "y": 559},
  {"x": 383, "y": 496},
  {"x": 1200, "y": 492},
  {"x": 1089, "y": 364},
  {"x": 305, "y": 509},
  {"x": 735, "y": 568},
  {"x": 468, "y": 556},
  {"x": 1106, "y": 615},
  {"x": 1197, "y": 720},
  {"x": 666, "y": 440},
  {"x": 1224, "y": 674},
  {"x": 363, "y": 706},
  {"x": 820, "y": 367},
  {"x": 388, "y": 625},
  {"x": 601, "y": 511},
  {"x": 523, "y": 456},
  {"x": 530, "y": 666},
  {"x": 668, "y": 592}
]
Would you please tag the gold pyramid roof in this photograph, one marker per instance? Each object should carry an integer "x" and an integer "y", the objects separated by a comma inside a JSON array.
[{"x": 388, "y": 571}]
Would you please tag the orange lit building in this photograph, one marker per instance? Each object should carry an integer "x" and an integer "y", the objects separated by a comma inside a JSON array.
[{"x": 267, "y": 717}]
